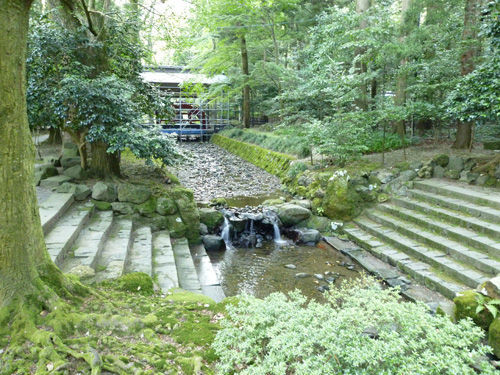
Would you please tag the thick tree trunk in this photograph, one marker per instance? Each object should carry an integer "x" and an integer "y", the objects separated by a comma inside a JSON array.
[
  {"x": 55, "y": 136},
  {"x": 22, "y": 247},
  {"x": 103, "y": 163},
  {"x": 464, "y": 129},
  {"x": 246, "y": 87}
]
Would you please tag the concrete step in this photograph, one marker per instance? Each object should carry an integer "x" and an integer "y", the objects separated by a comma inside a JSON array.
[
  {"x": 485, "y": 213},
  {"x": 63, "y": 235},
  {"x": 111, "y": 261},
  {"x": 140, "y": 255},
  {"x": 456, "y": 250},
  {"x": 420, "y": 271},
  {"x": 89, "y": 244},
  {"x": 53, "y": 208},
  {"x": 472, "y": 194},
  {"x": 465, "y": 236},
  {"x": 186, "y": 271},
  {"x": 164, "y": 269},
  {"x": 375, "y": 225},
  {"x": 209, "y": 281},
  {"x": 489, "y": 229}
]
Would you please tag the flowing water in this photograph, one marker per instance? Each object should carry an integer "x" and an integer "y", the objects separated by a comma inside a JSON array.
[{"x": 262, "y": 271}]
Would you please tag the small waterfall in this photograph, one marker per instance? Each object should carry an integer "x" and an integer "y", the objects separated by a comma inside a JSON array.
[{"x": 226, "y": 232}]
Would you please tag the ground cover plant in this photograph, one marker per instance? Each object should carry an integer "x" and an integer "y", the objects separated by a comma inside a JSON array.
[{"x": 363, "y": 329}]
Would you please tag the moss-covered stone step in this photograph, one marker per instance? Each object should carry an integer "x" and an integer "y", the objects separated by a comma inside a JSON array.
[
  {"x": 209, "y": 282},
  {"x": 420, "y": 271},
  {"x": 164, "y": 269},
  {"x": 466, "y": 236},
  {"x": 90, "y": 242},
  {"x": 463, "y": 274},
  {"x": 53, "y": 208},
  {"x": 186, "y": 271},
  {"x": 140, "y": 255},
  {"x": 485, "y": 213},
  {"x": 473, "y": 194},
  {"x": 489, "y": 229},
  {"x": 455, "y": 249},
  {"x": 63, "y": 235},
  {"x": 111, "y": 261}
]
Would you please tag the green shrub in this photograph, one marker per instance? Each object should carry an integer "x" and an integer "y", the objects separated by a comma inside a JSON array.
[
  {"x": 362, "y": 330},
  {"x": 295, "y": 169}
]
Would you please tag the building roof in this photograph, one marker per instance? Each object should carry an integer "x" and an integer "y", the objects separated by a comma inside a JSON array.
[{"x": 175, "y": 76}]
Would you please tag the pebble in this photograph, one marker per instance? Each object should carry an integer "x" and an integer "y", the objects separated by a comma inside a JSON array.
[
  {"x": 319, "y": 276},
  {"x": 212, "y": 172},
  {"x": 323, "y": 288},
  {"x": 291, "y": 266},
  {"x": 330, "y": 280},
  {"x": 302, "y": 275}
]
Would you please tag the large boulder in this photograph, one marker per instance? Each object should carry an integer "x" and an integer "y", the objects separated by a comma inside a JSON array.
[
  {"x": 319, "y": 223},
  {"x": 55, "y": 181},
  {"x": 80, "y": 191},
  {"x": 76, "y": 172},
  {"x": 308, "y": 236},
  {"x": 166, "y": 206},
  {"x": 456, "y": 163},
  {"x": 213, "y": 243},
  {"x": 492, "y": 287},
  {"x": 104, "y": 192},
  {"x": 292, "y": 214},
  {"x": 442, "y": 160},
  {"x": 147, "y": 208},
  {"x": 306, "y": 203},
  {"x": 341, "y": 201},
  {"x": 46, "y": 170},
  {"x": 133, "y": 193},
  {"x": 211, "y": 218},
  {"x": 438, "y": 172},
  {"x": 122, "y": 208},
  {"x": 494, "y": 336},
  {"x": 466, "y": 304}
]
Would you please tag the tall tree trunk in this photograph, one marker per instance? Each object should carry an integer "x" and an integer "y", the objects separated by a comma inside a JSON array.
[
  {"x": 361, "y": 7},
  {"x": 463, "y": 138},
  {"x": 23, "y": 256},
  {"x": 103, "y": 163},
  {"x": 401, "y": 81},
  {"x": 246, "y": 87}
]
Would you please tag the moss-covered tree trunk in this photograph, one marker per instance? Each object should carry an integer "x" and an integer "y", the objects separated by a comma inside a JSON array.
[
  {"x": 24, "y": 261},
  {"x": 362, "y": 6},
  {"x": 55, "y": 136}
]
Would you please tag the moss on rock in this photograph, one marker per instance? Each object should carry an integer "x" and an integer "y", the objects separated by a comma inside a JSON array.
[
  {"x": 147, "y": 208},
  {"x": 137, "y": 282},
  {"x": 102, "y": 205},
  {"x": 211, "y": 218},
  {"x": 494, "y": 336},
  {"x": 341, "y": 201},
  {"x": 465, "y": 307}
]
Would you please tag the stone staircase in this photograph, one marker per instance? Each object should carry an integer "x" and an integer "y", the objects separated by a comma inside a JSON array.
[
  {"x": 76, "y": 234},
  {"x": 444, "y": 234}
]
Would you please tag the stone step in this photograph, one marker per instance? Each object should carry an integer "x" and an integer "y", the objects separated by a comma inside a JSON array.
[
  {"x": 483, "y": 212},
  {"x": 421, "y": 272},
  {"x": 465, "y": 236},
  {"x": 140, "y": 255},
  {"x": 186, "y": 271},
  {"x": 455, "y": 249},
  {"x": 210, "y": 284},
  {"x": 90, "y": 243},
  {"x": 164, "y": 269},
  {"x": 52, "y": 208},
  {"x": 63, "y": 235},
  {"x": 111, "y": 261},
  {"x": 457, "y": 218},
  {"x": 472, "y": 194},
  {"x": 376, "y": 226}
]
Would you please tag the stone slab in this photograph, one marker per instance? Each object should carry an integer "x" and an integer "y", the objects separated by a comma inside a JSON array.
[
  {"x": 186, "y": 271},
  {"x": 164, "y": 268},
  {"x": 140, "y": 255},
  {"x": 52, "y": 208}
]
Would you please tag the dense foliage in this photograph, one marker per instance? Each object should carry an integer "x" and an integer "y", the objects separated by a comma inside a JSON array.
[
  {"x": 339, "y": 74},
  {"x": 363, "y": 329},
  {"x": 95, "y": 99}
]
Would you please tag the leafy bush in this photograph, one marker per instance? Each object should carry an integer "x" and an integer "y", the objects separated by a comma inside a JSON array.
[
  {"x": 363, "y": 329},
  {"x": 375, "y": 142},
  {"x": 295, "y": 169}
]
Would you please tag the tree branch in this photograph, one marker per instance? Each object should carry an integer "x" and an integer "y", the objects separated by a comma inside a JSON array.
[{"x": 89, "y": 18}]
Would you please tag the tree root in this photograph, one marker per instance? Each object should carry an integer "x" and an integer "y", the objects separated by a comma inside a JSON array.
[{"x": 490, "y": 165}]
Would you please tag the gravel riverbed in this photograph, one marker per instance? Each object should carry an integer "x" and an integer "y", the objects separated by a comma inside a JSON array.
[{"x": 212, "y": 172}]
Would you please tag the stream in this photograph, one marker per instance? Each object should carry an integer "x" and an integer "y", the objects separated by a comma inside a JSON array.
[{"x": 274, "y": 265}]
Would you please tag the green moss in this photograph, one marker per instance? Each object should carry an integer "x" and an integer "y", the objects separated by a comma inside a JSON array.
[
  {"x": 101, "y": 205},
  {"x": 465, "y": 307},
  {"x": 341, "y": 201},
  {"x": 137, "y": 282},
  {"x": 211, "y": 218},
  {"x": 441, "y": 160},
  {"x": 271, "y": 161},
  {"x": 219, "y": 202},
  {"x": 147, "y": 208},
  {"x": 494, "y": 336}
]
